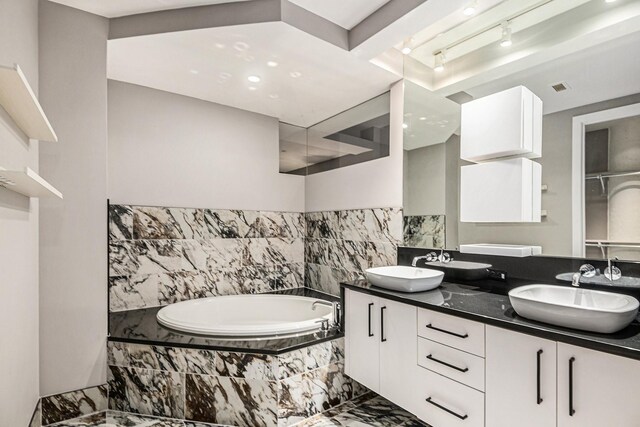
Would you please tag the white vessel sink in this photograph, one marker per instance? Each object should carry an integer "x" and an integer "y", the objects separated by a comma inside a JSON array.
[
  {"x": 404, "y": 279},
  {"x": 576, "y": 308}
]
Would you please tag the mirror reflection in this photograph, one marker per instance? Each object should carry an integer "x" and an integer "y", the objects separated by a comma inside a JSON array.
[{"x": 576, "y": 194}]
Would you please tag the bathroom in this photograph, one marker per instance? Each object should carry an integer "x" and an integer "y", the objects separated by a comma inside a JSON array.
[{"x": 303, "y": 213}]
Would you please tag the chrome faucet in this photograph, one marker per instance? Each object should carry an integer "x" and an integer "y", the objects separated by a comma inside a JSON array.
[
  {"x": 444, "y": 257},
  {"x": 612, "y": 272},
  {"x": 586, "y": 270},
  {"x": 430, "y": 257},
  {"x": 335, "y": 307}
]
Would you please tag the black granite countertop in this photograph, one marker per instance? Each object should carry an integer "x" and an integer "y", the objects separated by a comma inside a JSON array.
[
  {"x": 489, "y": 303},
  {"x": 142, "y": 327}
]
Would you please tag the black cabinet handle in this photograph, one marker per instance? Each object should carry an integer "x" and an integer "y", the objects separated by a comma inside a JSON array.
[
  {"x": 430, "y": 357},
  {"x": 462, "y": 417},
  {"x": 571, "y": 410},
  {"x": 539, "y": 399},
  {"x": 447, "y": 332},
  {"x": 382, "y": 337},
  {"x": 370, "y": 306}
]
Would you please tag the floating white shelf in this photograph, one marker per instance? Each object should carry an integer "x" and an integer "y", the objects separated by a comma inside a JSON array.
[
  {"x": 27, "y": 182},
  {"x": 18, "y": 99}
]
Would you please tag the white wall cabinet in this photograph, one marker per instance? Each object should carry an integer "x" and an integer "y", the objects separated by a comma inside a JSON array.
[
  {"x": 504, "y": 124},
  {"x": 520, "y": 379},
  {"x": 381, "y": 347},
  {"x": 501, "y": 191},
  {"x": 596, "y": 389}
]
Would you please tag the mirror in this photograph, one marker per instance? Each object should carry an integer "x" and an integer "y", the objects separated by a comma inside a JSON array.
[
  {"x": 356, "y": 135},
  {"x": 580, "y": 59}
]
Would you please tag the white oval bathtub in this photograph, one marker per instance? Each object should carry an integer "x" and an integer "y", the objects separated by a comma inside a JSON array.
[{"x": 246, "y": 315}]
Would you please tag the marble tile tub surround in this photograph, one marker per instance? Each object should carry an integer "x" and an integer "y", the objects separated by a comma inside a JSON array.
[
  {"x": 340, "y": 245},
  {"x": 424, "y": 231},
  {"x": 161, "y": 255},
  {"x": 228, "y": 388}
]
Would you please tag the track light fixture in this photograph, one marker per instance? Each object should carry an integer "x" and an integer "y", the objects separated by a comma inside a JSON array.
[
  {"x": 506, "y": 35},
  {"x": 440, "y": 61}
]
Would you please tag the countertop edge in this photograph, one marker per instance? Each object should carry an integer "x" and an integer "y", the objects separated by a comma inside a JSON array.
[{"x": 532, "y": 329}]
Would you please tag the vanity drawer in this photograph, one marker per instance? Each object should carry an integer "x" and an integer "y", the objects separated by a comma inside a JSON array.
[
  {"x": 443, "y": 402},
  {"x": 463, "y": 334},
  {"x": 458, "y": 365}
]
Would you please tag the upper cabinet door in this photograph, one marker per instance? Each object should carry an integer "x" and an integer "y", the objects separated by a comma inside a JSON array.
[
  {"x": 504, "y": 124},
  {"x": 596, "y": 389},
  {"x": 398, "y": 350},
  {"x": 362, "y": 324},
  {"x": 520, "y": 380},
  {"x": 501, "y": 191}
]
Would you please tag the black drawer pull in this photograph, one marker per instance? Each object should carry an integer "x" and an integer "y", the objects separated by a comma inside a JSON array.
[
  {"x": 382, "y": 337},
  {"x": 430, "y": 357},
  {"x": 538, "y": 398},
  {"x": 370, "y": 305},
  {"x": 571, "y": 410},
  {"x": 447, "y": 332},
  {"x": 462, "y": 417}
]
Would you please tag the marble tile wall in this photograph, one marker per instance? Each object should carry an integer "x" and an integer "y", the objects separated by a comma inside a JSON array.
[
  {"x": 424, "y": 231},
  {"x": 340, "y": 245},
  {"x": 228, "y": 388},
  {"x": 159, "y": 255}
]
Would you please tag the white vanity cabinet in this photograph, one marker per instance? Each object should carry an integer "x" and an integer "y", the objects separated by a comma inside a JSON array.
[
  {"x": 507, "y": 123},
  {"x": 597, "y": 389},
  {"x": 381, "y": 345},
  {"x": 520, "y": 379}
]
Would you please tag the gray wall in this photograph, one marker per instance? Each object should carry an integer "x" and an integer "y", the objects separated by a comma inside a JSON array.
[
  {"x": 425, "y": 181},
  {"x": 18, "y": 231},
  {"x": 73, "y": 239},
  {"x": 554, "y": 232},
  {"x": 172, "y": 150}
]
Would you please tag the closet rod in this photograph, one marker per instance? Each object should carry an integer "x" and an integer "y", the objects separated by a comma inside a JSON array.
[{"x": 611, "y": 174}]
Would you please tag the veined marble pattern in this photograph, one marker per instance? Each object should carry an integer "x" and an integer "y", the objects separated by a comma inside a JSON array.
[
  {"x": 234, "y": 401},
  {"x": 425, "y": 231},
  {"x": 228, "y": 387},
  {"x": 146, "y": 391},
  {"x": 341, "y": 245},
  {"x": 59, "y": 407},
  {"x": 160, "y": 255},
  {"x": 151, "y": 222},
  {"x": 368, "y": 410}
]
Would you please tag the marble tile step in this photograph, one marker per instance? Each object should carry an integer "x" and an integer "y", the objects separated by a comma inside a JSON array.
[{"x": 367, "y": 411}]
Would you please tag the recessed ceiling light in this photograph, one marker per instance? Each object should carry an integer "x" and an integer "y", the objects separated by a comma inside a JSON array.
[
  {"x": 240, "y": 46},
  {"x": 194, "y": 71},
  {"x": 220, "y": 45},
  {"x": 274, "y": 96},
  {"x": 405, "y": 126},
  {"x": 295, "y": 74},
  {"x": 470, "y": 9},
  {"x": 252, "y": 88},
  {"x": 423, "y": 118},
  {"x": 254, "y": 79},
  {"x": 609, "y": 1},
  {"x": 406, "y": 50},
  {"x": 272, "y": 64}
]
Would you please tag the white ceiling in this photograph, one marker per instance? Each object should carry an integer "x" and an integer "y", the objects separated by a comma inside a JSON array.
[
  {"x": 116, "y": 8},
  {"x": 213, "y": 64},
  {"x": 607, "y": 71},
  {"x": 346, "y": 13}
]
